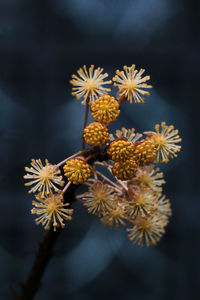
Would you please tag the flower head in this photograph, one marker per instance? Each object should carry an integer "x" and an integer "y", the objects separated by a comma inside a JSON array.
[
  {"x": 149, "y": 177},
  {"x": 51, "y": 211},
  {"x": 115, "y": 216},
  {"x": 148, "y": 230},
  {"x": 89, "y": 84},
  {"x": 105, "y": 109},
  {"x": 131, "y": 84},
  {"x": 165, "y": 139},
  {"x": 77, "y": 170},
  {"x": 96, "y": 134},
  {"x": 125, "y": 170},
  {"x": 120, "y": 150},
  {"x": 145, "y": 152},
  {"x": 129, "y": 134},
  {"x": 44, "y": 178},
  {"x": 98, "y": 198},
  {"x": 163, "y": 205},
  {"x": 140, "y": 202}
]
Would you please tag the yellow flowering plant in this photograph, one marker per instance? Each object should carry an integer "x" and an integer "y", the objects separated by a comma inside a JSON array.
[{"x": 131, "y": 195}]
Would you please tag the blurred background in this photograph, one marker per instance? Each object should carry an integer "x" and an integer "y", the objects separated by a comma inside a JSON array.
[{"x": 41, "y": 44}]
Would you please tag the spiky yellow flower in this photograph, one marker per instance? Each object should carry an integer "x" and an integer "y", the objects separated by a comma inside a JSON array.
[
  {"x": 120, "y": 150},
  {"x": 115, "y": 216},
  {"x": 77, "y": 170},
  {"x": 125, "y": 170},
  {"x": 148, "y": 231},
  {"x": 89, "y": 84},
  {"x": 145, "y": 152},
  {"x": 165, "y": 139},
  {"x": 44, "y": 178},
  {"x": 149, "y": 177},
  {"x": 130, "y": 134},
  {"x": 98, "y": 198},
  {"x": 140, "y": 202},
  {"x": 96, "y": 134},
  {"x": 52, "y": 211},
  {"x": 163, "y": 205},
  {"x": 105, "y": 109},
  {"x": 131, "y": 84}
]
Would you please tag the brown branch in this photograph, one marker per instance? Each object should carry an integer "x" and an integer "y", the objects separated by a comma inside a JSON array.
[
  {"x": 46, "y": 245},
  {"x": 43, "y": 255},
  {"x": 85, "y": 122},
  {"x": 122, "y": 99}
]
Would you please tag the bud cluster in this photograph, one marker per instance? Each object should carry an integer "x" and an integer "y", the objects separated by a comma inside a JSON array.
[{"x": 132, "y": 192}]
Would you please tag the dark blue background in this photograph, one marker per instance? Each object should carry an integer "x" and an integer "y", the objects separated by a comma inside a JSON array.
[{"x": 41, "y": 44}]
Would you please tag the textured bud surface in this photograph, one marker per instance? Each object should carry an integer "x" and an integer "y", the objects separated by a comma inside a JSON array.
[
  {"x": 125, "y": 170},
  {"x": 145, "y": 153},
  {"x": 77, "y": 171},
  {"x": 120, "y": 150},
  {"x": 96, "y": 134},
  {"x": 105, "y": 109}
]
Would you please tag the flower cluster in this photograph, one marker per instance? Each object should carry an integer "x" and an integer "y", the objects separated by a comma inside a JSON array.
[
  {"x": 50, "y": 206},
  {"x": 131, "y": 195},
  {"x": 138, "y": 202},
  {"x": 104, "y": 111}
]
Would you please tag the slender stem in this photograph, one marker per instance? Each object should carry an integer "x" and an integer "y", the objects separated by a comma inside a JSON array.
[
  {"x": 90, "y": 156},
  {"x": 108, "y": 180},
  {"x": 110, "y": 170},
  {"x": 70, "y": 157},
  {"x": 101, "y": 164},
  {"x": 66, "y": 187},
  {"x": 94, "y": 172},
  {"x": 119, "y": 181},
  {"x": 122, "y": 184},
  {"x": 85, "y": 122},
  {"x": 122, "y": 99}
]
